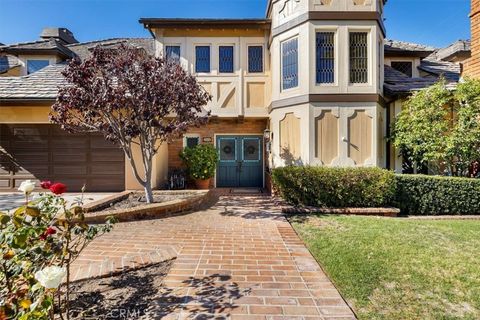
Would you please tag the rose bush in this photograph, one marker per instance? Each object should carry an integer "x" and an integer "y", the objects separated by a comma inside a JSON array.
[{"x": 38, "y": 243}]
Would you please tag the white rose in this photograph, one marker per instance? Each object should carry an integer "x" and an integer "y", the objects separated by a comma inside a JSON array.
[
  {"x": 27, "y": 186},
  {"x": 51, "y": 277}
]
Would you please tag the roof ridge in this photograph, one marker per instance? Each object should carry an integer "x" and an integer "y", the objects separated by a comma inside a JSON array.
[
  {"x": 24, "y": 43},
  {"x": 105, "y": 40}
]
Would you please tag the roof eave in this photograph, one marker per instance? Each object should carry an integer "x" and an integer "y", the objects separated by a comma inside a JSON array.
[{"x": 206, "y": 23}]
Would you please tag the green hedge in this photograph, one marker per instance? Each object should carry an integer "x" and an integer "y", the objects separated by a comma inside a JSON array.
[
  {"x": 335, "y": 187},
  {"x": 373, "y": 187},
  {"x": 432, "y": 195}
]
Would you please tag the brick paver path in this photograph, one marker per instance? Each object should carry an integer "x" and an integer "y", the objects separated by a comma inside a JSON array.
[{"x": 236, "y": 260}]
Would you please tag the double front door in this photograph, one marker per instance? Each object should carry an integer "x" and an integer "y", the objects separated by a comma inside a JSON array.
[{"x": 240, "y": 161}]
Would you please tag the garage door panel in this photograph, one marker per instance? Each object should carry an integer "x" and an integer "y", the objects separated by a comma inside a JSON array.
[{"x": 39, "y": 152}]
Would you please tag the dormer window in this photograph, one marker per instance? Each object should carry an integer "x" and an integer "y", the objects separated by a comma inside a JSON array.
[
  {"x": 35, "y": 65},
  {"x": 405, "y": 67}
]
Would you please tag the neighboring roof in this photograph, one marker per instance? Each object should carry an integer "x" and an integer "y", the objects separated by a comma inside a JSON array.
[
  {"x": 7, "y": 62},
  {"x": 449, "y": 70},
  {"x": 460, "y": 49},
  {"x": 47, "y": 46},
  {"x": 205, "y": 23},
  {"x": 82, "y": 50},
  {"x": 398, "y": 84},
  {"x": 402, "y": 48},
  {"x": 41, "y": 85}
]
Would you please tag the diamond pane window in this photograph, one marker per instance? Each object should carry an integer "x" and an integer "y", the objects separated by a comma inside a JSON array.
[
  {"x": 191, "y": 142},
  {"x": 290, "y": 64},
  {"x": 35, "y": 65},
  {"x": 255, "y": 59},
  {"x": 325, "y": 45},
  {"x": 358, "y": 57},
  {"x": 172, "y": 53},
  {"x": 405, "y": 67},
  {"x": 225, "y": 59},
  {"x": 202, "y": 59}
]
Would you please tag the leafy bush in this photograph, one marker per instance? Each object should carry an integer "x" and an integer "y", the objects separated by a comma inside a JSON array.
[
  {"x": 38, "y": 243},
  {"x": 433, "y": 195},
  {"x": 335, "y": 187},
  {"x": 201, "y": 161}
]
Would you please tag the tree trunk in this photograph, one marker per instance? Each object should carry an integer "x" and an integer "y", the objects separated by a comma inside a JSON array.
[{"x": 149, "y": 192}]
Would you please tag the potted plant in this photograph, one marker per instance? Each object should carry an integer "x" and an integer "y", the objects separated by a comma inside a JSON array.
[{"x": 201, "y": 162}]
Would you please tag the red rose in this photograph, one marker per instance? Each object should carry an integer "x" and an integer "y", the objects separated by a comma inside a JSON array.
[
  {"x": 46, "y": 184},
  {"x": 48, "y": 232},
  {"x": 58, "y": 188}
]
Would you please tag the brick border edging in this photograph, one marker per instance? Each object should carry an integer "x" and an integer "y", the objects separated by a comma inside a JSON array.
[
  {"x": 382, "y": 212},
  {"x": 148, "y": 211}
]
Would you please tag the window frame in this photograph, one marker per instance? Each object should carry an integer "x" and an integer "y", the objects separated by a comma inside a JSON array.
[
  {"x": 190, "y": 136},
  {"x": 258, "y": 45},
  {"x": 282, "y": 43},
  {"x": 35, "y": 59},
  {"x": 233, "y": 58},
  {"x": 210, "y": 58},
  {"x": 412, "y": 64},
  {"x": 333, "y": 31},
  {"x": 368, "y": 33}
]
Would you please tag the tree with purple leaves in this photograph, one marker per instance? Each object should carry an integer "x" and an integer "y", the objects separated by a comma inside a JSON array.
[{"x": 135, "y": 100}]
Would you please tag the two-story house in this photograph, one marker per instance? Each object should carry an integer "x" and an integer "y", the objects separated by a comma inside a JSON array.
[{"x": 313, "y": 83}]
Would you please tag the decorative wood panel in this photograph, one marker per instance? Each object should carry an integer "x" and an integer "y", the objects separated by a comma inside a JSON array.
[
  {"x": 326, "y": 137},
  {"x": 360, "y": 137},
  {"x": 226, "y": 95},
  {"x": 290, "y": 142},
  {"x": 256, "y": 95}
]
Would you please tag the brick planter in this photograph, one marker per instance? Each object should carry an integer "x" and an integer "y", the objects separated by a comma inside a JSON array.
[
  {"x": 382, "y": 212},
  {"x": 148, "y": 211}
]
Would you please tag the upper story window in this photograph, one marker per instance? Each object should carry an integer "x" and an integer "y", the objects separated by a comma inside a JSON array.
[
  {"x": 225, "y": 59},
  {"x": 405, "y": 67},
  {"x": 255, "y": 59},
  {"x": 359, "y": 57},
  {"x": 172, "y": 53},
  {"x": 325, "y": 47},
  {"x": 35, "y": 65},
  {"x": 290, "y": 64},
  {"x": 202, "y": 59},
  {"x": 191, "y": 141}
]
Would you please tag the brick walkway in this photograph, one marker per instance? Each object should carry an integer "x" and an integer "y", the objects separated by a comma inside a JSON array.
[{"x": 236, "y": 260}]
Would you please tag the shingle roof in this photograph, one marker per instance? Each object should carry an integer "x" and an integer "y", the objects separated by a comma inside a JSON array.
[
  {"x": 458, "y": 49},
  {"x": 82, "y": 50},
  {"x": 41, "y": 46},
  {"x": 44, "y": 83},
  {"x": 402, "y": 47},
  {"x": 7, "y": 62},
  {"x": 449, "y": 70},
  {"x": 398, "y": 84}
]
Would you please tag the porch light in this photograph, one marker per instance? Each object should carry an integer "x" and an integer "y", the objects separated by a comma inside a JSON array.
[{"x": 267, "y": 134}]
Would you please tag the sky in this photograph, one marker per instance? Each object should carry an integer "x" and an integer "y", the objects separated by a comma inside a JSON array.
[{"x": 432, "y": 22}]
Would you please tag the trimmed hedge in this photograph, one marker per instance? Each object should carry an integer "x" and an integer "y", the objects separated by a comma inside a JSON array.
[
  {"x": 374, "y": 187},
  {"x": 335, "y": 187},
  {"x": 433, "y": 195}
]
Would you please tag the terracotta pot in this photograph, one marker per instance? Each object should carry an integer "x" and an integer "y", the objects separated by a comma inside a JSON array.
[{"x": 203, "y": 184}]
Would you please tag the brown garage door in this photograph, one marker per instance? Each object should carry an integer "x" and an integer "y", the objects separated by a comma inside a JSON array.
[{"x": 45, "y": 152}]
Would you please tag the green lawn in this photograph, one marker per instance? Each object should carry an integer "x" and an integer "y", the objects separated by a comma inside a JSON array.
[{"x": 398, "y": 268}]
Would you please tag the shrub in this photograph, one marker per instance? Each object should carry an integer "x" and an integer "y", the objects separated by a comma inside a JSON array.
[
  {"x": 335, "y": 187},
  {"x": 432, "y": 195},
  {"x": 38, "y": 243},
  {"x": 201, "y": 161}
]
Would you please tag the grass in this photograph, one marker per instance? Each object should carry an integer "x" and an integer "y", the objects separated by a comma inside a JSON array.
[{"x": 398, "y": 268}]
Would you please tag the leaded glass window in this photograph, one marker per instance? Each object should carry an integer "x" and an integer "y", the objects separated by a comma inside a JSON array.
[
  {"x": 405, "y": 67},
  {"x": 255, "y": 59},
  {"x": 325, "y": 46},
  {"x": 202, "y": 59},
  {"x": 225, "y": 59},
  {"x": 35, "y": 65},
  {"x": 172, "y": 53},
  {"x": 358, "y": 57},
  {"x": 290, "y": 64}
]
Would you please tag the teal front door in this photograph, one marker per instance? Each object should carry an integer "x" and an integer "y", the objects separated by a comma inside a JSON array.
[{"x": 240, "y": 161}]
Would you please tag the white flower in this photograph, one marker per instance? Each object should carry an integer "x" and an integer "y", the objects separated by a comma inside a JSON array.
[
  {"x": 27, "y": 186},
  {"x": 51, "y": 277}
]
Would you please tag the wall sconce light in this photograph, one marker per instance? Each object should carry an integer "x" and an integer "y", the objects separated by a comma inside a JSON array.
[{"x": 267, "y": 134}]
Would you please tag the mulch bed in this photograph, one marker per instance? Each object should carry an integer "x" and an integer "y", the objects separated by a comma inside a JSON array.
[
  {"x": 137, "y": 199},
  {"x": 128, "y": 295}
]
